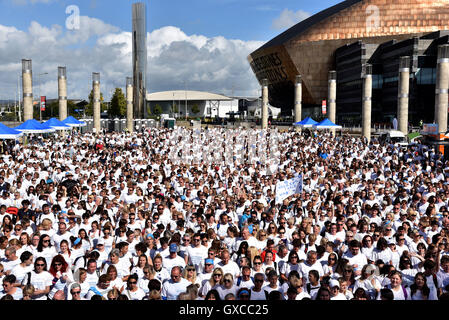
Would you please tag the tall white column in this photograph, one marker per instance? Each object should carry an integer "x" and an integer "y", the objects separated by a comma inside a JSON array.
[
  {"x": 298, "y": 99},
  {"x": 27, "y": 89},
  {"x": 332, "y": 95},
  {"x": 366, "y": 102},
  {"x": 442, "y": 87},
  {"x": 129, "y": 105},
  {"x": 96, "y": 101},
  {"x": 62, "y": 92},
  {"x": 403, "y": 95},
  {"x": 264, "y": 104}
]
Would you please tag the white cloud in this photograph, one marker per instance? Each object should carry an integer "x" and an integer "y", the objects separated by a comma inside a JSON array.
[
  {"x": 289, "y": 18},
  {"x": 210, "y": 64}
]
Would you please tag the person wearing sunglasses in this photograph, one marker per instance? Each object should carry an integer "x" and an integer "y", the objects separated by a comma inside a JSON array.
[
  {"x": 215, "y": 280},
  {"x": 75, "y": 292},
  {"x": 62, "y": 275},
  {"x": 40, "y": 278},
  {"x": 227, "y": 287},
  {"x": 132, "y": 291},
  {"x": 256, "y": 293}
]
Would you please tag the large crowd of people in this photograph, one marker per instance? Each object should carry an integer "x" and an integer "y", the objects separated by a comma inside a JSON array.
[{"x": 181, "y": 214}]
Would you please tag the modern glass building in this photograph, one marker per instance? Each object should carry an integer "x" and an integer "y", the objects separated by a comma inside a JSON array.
[{"x": 344, "y": 37}]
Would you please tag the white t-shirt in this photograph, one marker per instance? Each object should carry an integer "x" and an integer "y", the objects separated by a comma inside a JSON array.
[
  {"x": 168, "y": 263},
  {"x": 222, "y": 291},
  {"x": 231, "y": 267},
  {"x": 139, "y": 294},
  {"x": 39, "y": 281},
  {"x": 196, "y": 255},
  {"x": 171, "y": 290},
  {"x": 258, "y": 295},
  {"x": 19, "y": 272}
]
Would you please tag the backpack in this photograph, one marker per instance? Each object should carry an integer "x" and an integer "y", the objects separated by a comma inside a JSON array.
[
  {"x": 29, "y": 278},
  {"x": 404, "y": 290},
  {"x": 77, "y": 259}
]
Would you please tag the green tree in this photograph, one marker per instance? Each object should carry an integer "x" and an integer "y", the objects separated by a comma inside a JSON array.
[
  {"x": 118, "y": 103},
  {"x": 157, "y": 110},
  {"x": 90, "y": 106},
  {"x": 195, "y": 109}
]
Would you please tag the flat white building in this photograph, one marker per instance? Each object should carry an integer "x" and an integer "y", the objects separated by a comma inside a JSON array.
[{"x": 195, "y": 103}]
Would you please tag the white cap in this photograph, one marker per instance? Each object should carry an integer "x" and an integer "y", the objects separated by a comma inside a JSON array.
[
  {"x": 100, "y": 241},
  {"x": 334, "y": 283}
]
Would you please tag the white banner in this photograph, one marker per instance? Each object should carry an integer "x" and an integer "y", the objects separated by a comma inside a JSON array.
[{"x": 285, "y": 189}]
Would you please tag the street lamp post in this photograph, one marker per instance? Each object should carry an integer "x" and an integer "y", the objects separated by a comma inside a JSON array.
[{"x": 40, "y": 101}]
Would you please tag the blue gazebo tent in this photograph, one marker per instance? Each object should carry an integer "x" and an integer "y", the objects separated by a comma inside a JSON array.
[
  {"x": 326, "y": 124},
  {"x": 33, "y": 126},
  {"x": 306, "y": 123},
  {"x": 9, "y": 133},
  {"x": 73, "y": 122},
  {"x": 56, "y": 124}
]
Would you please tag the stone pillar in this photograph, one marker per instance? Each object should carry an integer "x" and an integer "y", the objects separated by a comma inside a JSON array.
[
  {"x": 442, "y": 86},
  {"x": 27, "y": 89},
  {"x": 298, "y": 100},
  {"x": 403, "y": 86},
  {"x": 332, "y": 95},
  {"x": 129, "y": 105},
  {"x": 264, "y": 121},
  {"x": 366, "y": 101},
  {"x": 96, "y": 101},
  {"x": 62, "y": 92}
]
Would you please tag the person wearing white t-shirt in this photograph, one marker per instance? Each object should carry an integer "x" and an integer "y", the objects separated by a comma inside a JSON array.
[
  {"x": 25, "y": 266},
  {"x": 173, "y": 259},
  {"x": 11, "y": 260},
  {"x": 176, "y": 285},
  {"x": 355, "y": 257},
  {"x": 132, "y": 291},
  {"x": 256, "y": 292},
  {"x": 334, "y": 286},
  {"x": 227, "y": 265},
  {"x": 40, "y": 279},
  {"x": 101, "y": 288},
  {"x": 310, "y": 264},
  {"x": 196, "y": 253}
]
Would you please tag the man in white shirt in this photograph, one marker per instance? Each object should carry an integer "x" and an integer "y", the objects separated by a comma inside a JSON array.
[
  {"x": 62, "y": 234},
  {"x": 173, "y": 260},
  {"x": 176, "y": 285},
  {"x": 196, "y": 253},
  {"x": 355, "y": 257},
  {"x": 11, "y": 260},
  {"x": 227, "y": 265},
  {"x": 310, "y": 264}
]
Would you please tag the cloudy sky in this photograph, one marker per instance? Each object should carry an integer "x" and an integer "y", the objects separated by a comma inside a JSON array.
[{"x": 201, "y": 44}]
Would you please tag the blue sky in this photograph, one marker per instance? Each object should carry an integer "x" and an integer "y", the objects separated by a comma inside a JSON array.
[
  {"x": 206, "y": 28},
  {"x": 236, "y": 19}
]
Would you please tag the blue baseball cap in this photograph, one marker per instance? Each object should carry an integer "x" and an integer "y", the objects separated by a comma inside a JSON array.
[
  {"x": 183, "y": 198},
  {"x": 209, "y": 261},
  {"x": 173, "y": 247}
]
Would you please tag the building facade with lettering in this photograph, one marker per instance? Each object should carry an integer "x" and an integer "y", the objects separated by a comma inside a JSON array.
[{"x": 377, "y": 31}]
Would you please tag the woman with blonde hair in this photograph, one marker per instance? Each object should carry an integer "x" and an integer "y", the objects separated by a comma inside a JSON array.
[
  {"x": 189, "y": 273},
  {"x": 46, "y": 228},
  {"x": 215, "y": 280},
  {"x": 262, "y": 238},
  {"x": 113, "y": 294},
  {"x": 253, "y": 252}
]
